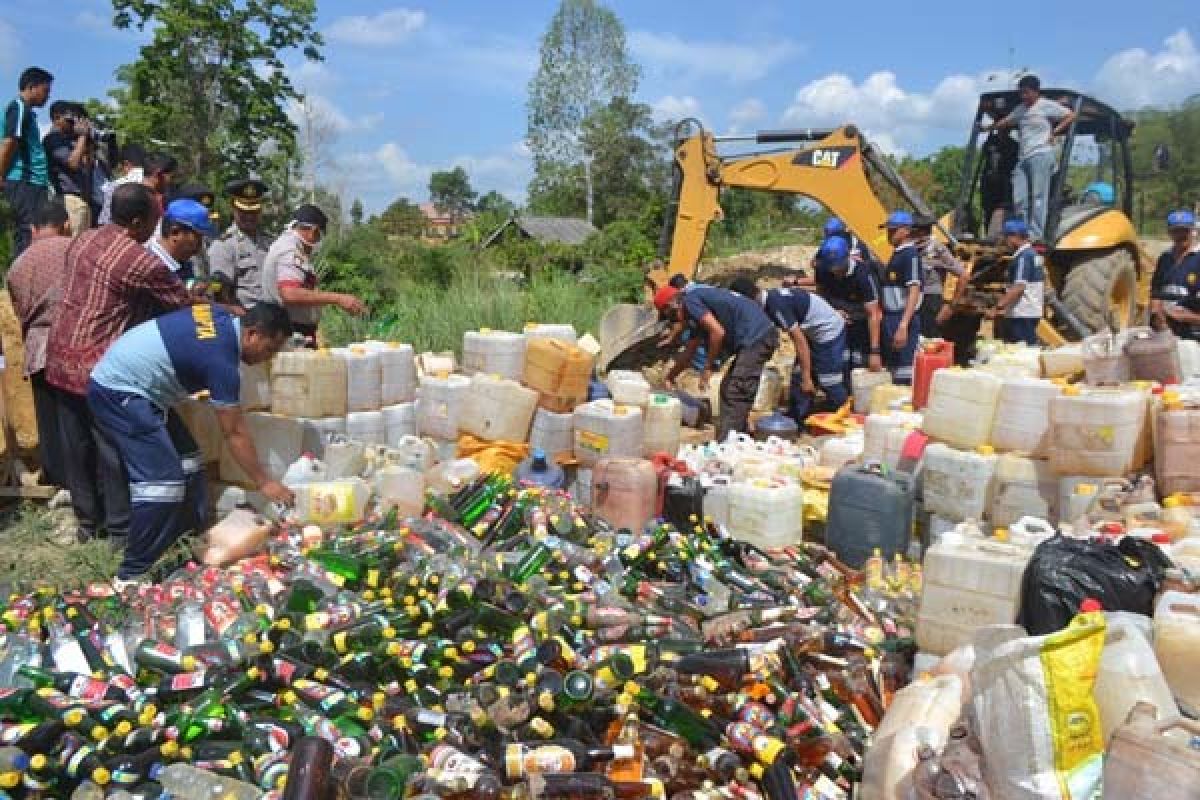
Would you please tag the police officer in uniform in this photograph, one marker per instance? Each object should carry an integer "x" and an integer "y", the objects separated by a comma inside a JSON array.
[
  {"x": 290, "y": 279},
  {"x": 237, "y": 256}
]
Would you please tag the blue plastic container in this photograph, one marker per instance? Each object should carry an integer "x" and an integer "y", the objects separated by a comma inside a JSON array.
[{"x": 538, "y": 470}]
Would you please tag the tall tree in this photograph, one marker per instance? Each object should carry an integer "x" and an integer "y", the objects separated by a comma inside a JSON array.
[
  {"x": 584, "y": 65},
  {"x": 356, "y": 212},
  {"x": 211, "y": 85},
  {"x": 451, "y": 193},
  {"x": 401, "y": 218},
  {"x": 629, "y": 160}
]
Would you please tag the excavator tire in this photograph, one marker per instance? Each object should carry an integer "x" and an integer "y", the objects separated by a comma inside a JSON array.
[{"x": 1101, "y": 290}]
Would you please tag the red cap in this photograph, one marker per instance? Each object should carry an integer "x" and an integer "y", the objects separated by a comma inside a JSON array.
[
  {"x": 1160, "y": 538},
  {"x": 664, "y": 296},
  {"x": 1090, "y": 604}
]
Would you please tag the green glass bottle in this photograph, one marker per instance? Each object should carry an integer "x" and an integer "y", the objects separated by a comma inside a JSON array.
[
  {"x": 676, "y": 717},
  {"x": 389, "y": 780},
  {"x": 350, "y": 568}
]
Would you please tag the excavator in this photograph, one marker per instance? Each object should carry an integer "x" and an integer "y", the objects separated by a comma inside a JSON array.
[{"x": 1097, "y": 274}]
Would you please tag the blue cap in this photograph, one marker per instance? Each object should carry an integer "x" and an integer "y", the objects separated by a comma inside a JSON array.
[
  {"x": 834, "y": 226},
  {"x": 190, "y": 213},
  {"x": 1103, "y": 191},
  {"x": 1017, "y": 226},
  {"x": 898, "y": 219},
  {"x": 833, "y": 252},
  {"x": 1181, "y": 219}
]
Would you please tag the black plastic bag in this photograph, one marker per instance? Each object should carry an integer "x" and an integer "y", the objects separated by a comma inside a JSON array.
[{"x": 1063, "y": 572}]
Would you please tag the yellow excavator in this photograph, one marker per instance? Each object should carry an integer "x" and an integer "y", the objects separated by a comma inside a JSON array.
[{"x": 1093, "y": 260}]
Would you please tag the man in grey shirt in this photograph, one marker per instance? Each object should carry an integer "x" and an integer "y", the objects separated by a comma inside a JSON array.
[{"x": 1038, "y": 121}]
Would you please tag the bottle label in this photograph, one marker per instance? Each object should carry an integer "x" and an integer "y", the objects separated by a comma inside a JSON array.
[
  {"x": 591, "y": 441},
  {"x": 330, "y": 504},
  {"x": 186, "y": 681},
  {"x": 432, "y": 718},
  {"x": 125, "y": 777},
  {"x": 87, "y": 689},
  {"x": 220, "y": 615},
  {"x": 162, "y": 650},
  {"x": 284, "y": 670},
  {"x": 520, "y": 761}
]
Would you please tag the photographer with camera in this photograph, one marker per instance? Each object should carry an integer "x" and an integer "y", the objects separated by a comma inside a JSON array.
[{"x": 71, "y": 148}]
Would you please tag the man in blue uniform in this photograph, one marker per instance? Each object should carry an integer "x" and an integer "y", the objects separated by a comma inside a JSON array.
[
  {"x": 728, "y": 323},
  {"x": 1179, "y": 296},
  {"x": 851, "y": 287},
  {"x": 1181, "y": 257},
  {"x": 900, "y": 291},
  {"x": 151, "y": 368},
  {"x": 1022, "y": 304},
  {"x": 818, "y": 338}
]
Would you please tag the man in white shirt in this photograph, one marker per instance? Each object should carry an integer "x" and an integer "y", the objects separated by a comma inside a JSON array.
[
  {"x": 180, "y": 236},
  {"x": 1038, "y": 121}
]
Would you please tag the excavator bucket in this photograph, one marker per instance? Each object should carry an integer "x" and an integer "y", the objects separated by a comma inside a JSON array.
[{"x": 626, "y": 327}]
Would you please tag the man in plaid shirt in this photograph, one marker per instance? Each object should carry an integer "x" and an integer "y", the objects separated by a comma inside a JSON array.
[{"x": 113, "y": 283}]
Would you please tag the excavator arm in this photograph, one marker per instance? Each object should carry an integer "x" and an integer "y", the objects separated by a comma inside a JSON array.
[
  {"x": 830, "y": 169},
  {"x": 827, "y": 166}
]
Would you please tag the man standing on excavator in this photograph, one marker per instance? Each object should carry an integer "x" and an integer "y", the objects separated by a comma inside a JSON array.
[{"x": 1038, "y": 121}]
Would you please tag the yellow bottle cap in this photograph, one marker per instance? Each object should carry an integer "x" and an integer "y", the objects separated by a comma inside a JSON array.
[
  {"x": 1172, "y": 501},
  {"x": 101, "y": 776},
  {"x": 1000, "y": 534},
  {"x": 985, "y": 450}
]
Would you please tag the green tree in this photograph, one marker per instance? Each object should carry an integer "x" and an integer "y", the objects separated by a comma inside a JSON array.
[
  {"x": 584, "y": 66},
  {"x": 356, "y": 213},
  {"x": 451, "y": 193},
  {"x": 494, "y": 202},
  {"x": 211, "y": 83},
  {"x": 401, "y": 218},
  {"x": 629, "y": 160}
]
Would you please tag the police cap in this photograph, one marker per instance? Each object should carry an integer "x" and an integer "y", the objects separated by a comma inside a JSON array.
[{"x": 247, "y": 194}]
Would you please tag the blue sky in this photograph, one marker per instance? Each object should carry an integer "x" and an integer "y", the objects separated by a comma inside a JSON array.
[{"x": 414, "y": 87}]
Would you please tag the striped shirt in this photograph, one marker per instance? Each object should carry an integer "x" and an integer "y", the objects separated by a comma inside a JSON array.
[{"x": 113, "y": 283}]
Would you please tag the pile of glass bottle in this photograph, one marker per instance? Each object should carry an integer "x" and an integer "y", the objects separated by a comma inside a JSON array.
[{"x": 505, "y": 645}]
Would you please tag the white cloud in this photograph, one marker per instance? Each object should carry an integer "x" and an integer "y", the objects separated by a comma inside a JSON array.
[
  {"x": 1136, "y": 78},
  {"x": 312, "y": 76},
  {"x": 324, "y": 113},
  {"x": 674, "y": 109},
  {"x": 387, "y": 27},
  {"x": 508, "y": 171},
  {"x": 388, "y": 172},
  {"x": 896, "y": 118},
  {"x": 746, "y": 114},
  {"x": 737, "y": 62}
]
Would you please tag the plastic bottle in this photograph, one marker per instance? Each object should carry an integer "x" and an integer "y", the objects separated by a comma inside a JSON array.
[
  {"x": 538, "y": 470},
  {"x": 186, "y": 782}
]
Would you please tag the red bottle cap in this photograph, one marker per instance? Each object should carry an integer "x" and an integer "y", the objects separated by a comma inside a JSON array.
[{"x": 1090, "y": 604}]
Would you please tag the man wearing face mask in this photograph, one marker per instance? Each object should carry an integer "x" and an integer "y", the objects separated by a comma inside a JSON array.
[{"x": 290, "y": 279}]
